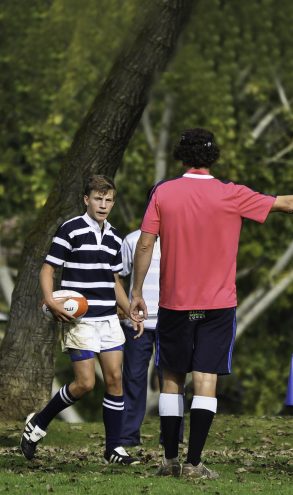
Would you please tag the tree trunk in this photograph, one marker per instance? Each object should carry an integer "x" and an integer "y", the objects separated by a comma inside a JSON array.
[{"x": 27, "y": 350}]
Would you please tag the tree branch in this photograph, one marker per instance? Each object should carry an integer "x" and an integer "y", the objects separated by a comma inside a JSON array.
[
  {"x": 264, "y": 123},
  {"x": 260, "y": 306},
  {"x": 282, "y": 94},
  {"x": 250, "y": 301},
  {"x": 6, "y": 282},
  {"x": 147, "y": 127},
  {"x": 161, "y": 151},
  {"x": 280, "y": 154}
]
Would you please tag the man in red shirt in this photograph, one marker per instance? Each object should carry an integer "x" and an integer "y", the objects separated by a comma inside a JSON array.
[{"x": 198, "y": 219}]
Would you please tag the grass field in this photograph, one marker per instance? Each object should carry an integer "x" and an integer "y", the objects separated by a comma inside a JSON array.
[{"x": 252, "y": 455}]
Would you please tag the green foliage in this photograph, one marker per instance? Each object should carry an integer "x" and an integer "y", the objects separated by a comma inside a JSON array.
[
  {"x": 262, "y": 361},
  {"x": 54, "y": 57}
]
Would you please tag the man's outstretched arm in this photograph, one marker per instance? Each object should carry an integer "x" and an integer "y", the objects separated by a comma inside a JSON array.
[{"x": 283, "y": 204}]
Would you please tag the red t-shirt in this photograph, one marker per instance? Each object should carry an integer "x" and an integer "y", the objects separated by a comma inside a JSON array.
[{"x": 198, "y": 219}]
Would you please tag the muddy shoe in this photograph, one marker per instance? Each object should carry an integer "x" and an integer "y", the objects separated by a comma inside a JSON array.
[
  {"x": 199, "y": 471},
  {"x": 170, "y": 467}
]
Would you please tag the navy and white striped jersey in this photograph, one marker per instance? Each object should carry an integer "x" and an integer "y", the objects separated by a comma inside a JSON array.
[{"x": 89, "y": 260}]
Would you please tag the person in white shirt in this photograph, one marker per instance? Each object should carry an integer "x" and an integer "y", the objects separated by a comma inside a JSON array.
[{"x": 138, "y": 353}]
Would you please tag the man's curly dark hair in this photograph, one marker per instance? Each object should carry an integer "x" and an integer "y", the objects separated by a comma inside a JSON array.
[{"x": 197, "y": 148}]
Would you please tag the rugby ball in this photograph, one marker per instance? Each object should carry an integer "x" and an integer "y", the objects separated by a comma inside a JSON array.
[{"x": 76, "y": 306}]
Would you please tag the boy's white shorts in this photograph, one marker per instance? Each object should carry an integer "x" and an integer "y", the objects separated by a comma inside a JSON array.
[{"x": 94, "y": 336}]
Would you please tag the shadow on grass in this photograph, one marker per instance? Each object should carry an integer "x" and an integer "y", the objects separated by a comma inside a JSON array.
[{"x": 8, "y": 441}]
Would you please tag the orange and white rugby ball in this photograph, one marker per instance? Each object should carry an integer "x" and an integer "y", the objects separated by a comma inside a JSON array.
[{"x": 76, "y": 306}]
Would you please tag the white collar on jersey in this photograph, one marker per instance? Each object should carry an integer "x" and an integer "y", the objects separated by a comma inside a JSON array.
[
  {"x": 198, "y": 176},
  {"x": 92, "y": 223}
]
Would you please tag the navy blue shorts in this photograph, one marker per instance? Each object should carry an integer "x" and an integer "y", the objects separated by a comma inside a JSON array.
[{"x": 197, "y": 340}]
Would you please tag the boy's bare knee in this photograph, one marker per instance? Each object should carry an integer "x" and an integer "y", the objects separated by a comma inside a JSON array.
[
  {"x": 81, "y": 387},
  {"x": 88, "y": 386},
  {"x": 113, "y": 383}
]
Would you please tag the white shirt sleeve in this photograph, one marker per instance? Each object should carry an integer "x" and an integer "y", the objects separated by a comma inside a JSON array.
[{"x": 127, "y": 251}]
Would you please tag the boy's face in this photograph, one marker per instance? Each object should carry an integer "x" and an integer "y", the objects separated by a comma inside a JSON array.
[{"x": 99, "y": 205}]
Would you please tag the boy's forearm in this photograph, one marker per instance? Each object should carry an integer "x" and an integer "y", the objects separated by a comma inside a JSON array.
[
  {"x": 47, "y": 286},
  {"x": 47, "y": 282},
  {"x": 121, "y": 297}
]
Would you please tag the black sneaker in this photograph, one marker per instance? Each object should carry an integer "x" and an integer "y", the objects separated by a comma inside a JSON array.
[
  {"x": 120, "y": 456},
  {"x": 31, "y": 436}
]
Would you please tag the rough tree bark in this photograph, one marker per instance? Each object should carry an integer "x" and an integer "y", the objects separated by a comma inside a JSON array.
[{"x": 27, "y": 351}]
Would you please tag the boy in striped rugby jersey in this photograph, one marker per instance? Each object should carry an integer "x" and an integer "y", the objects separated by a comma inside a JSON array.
[{"x": 88, "y": 249}]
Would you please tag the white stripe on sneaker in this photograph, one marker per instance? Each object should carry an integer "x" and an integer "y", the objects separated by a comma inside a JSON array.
[{"x": 37, "y": 434}]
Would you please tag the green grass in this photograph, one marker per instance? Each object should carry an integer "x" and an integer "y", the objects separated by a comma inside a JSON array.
[{"x": 252, "y": 455}]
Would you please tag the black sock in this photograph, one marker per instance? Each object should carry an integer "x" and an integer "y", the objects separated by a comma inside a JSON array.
[
  {"x": 200, "y": 423},
  {"x": 113, "y": 408},
  {"x": 170, "y": 426},
  {"x": 58, "y": 403}
]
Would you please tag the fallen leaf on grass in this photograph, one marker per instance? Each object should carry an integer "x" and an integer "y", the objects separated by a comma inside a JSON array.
[
  {"x": 241, "y": 470},
  {"x": 267, "y": 440},
  {"x": 239, "y": 440},
  {"x": 13, "y": 435},
  {"x": 220, "y": 434},
  {"x": 93, "y": 435},
  {"x": 281, "y": 433}
]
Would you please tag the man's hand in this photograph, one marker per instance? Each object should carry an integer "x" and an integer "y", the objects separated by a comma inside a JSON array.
[
  {"x": 139, "y": 328},
  {"x": 138, "y": 310}
]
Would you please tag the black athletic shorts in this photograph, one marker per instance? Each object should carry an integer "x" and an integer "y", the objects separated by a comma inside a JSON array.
[{"x": 197, "y": 340}]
